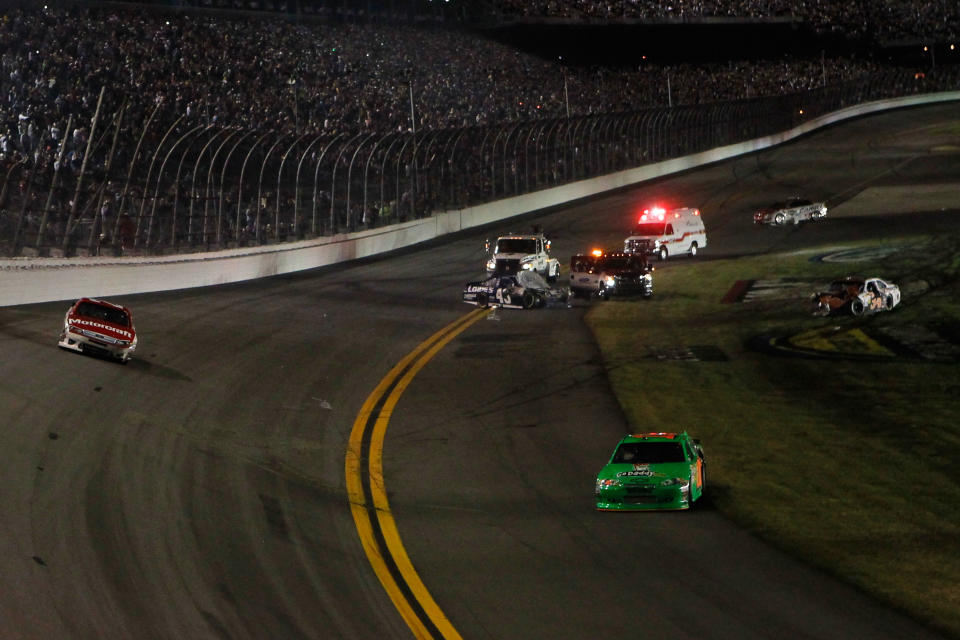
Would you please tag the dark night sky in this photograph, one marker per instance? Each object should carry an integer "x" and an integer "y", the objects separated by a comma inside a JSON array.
[{"x": 613, "y": 45}]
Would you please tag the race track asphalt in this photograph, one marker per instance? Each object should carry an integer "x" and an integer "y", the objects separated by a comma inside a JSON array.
[{"x": 199, "y": 491}]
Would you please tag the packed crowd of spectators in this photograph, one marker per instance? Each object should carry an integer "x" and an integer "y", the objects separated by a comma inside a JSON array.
[
  {"x": 293, "y": 77},
  {"x": 878, "y": 20},
  {"x": 327, "y": 77}
]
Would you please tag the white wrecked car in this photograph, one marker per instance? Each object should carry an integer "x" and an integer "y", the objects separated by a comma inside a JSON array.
[
  {"x": 857, "y": 296},
  {"x": 793, "y": 211}
]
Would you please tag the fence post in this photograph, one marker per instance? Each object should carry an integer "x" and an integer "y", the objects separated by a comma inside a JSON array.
[
  {"x": 83, "y": 170},
  {"x": 53, "y": 182},
  {"x": 97, "y": 212}
]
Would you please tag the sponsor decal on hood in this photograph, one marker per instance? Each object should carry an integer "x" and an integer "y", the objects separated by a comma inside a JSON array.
[
  {"x": 640, "y": 471},
  {"x": 98, "y": 325}
]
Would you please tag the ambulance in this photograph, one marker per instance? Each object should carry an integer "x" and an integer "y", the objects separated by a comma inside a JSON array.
[{"x": 666, "y": 233}]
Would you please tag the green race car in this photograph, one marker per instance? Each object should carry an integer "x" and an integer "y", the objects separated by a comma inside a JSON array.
[{"x": 652, "y": 471}]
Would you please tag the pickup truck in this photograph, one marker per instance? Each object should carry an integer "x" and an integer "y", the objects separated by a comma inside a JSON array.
[{"x": 610, "y": 274}]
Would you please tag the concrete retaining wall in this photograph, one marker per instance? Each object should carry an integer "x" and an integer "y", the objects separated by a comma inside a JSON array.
[{"x": 30, "y": 280}]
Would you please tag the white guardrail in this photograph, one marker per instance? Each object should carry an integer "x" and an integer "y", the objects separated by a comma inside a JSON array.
[{"x": 32, "y": 280}]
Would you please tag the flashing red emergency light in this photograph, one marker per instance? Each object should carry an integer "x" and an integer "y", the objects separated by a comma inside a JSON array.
[{"x": 656, "y": 213}]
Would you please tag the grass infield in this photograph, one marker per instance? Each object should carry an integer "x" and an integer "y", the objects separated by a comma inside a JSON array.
[{"x": 841, "y": 448}]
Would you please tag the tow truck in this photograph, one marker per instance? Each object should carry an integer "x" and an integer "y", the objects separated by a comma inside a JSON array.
[{"x": 516, "y": 252}]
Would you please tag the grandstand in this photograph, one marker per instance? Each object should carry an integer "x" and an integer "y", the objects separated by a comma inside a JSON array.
[{"x": 152, "y": 126}]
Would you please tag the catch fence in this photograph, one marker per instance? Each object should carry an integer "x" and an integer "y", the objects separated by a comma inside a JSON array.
[{"x": 171, "y": 183}]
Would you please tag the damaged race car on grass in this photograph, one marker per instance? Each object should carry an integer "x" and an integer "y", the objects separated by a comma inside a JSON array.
[
  {"x": 856, "y": 295},
  {"x": 521, "y": 290}
]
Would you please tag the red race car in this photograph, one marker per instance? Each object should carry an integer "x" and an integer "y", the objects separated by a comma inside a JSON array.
[{"x": 99, "y": 327}]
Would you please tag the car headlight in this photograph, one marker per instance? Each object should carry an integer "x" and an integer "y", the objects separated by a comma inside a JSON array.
[
  {"x": 491, "y": 264},
  {"x": 610, "y": 281},
  {"x": 526, "y": 265},
  {"x": 672, "y": 482},
  {"x": 606, "y": 483}
]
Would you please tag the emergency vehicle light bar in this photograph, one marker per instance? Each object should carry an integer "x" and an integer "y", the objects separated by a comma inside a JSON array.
[{"x": 656, "y": 213}]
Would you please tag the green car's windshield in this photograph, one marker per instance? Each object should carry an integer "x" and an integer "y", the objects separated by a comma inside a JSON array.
[{"x": 649, "y": 453}]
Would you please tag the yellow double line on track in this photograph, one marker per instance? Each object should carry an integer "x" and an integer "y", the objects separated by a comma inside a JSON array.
[{"x": 368, "y": 495}]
